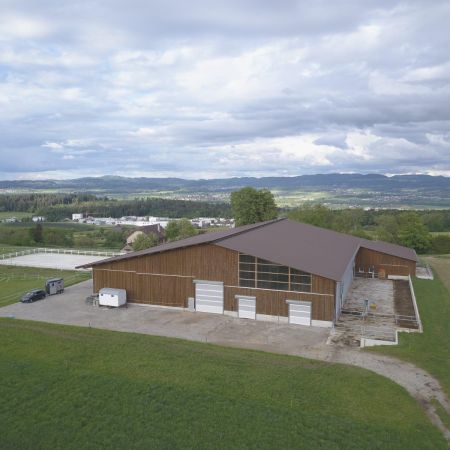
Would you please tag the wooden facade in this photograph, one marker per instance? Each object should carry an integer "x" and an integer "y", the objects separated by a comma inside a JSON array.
[
  {"x": 383, "y": 263},
  {"x": 166, "y": 279}
]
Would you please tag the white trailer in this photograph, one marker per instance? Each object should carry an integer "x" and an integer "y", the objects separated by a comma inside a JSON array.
[
  {"x": 54, "y": 286},
  {"x": 112, "y": 297}
]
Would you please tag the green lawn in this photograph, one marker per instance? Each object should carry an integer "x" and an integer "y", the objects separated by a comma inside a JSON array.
[
  {"x": 430, "y": 350},
  {"x": 5, "y": 248},
  {"x": 76, "y": 388},
  {"x": 16, "y": 214},
  {"x": 16, "y": 280}
]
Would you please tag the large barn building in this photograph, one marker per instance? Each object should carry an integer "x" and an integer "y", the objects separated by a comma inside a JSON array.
[{"x": 276, "y": 270}]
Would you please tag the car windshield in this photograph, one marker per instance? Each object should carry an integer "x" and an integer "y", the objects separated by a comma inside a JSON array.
[{"x": 30, "y": 294}]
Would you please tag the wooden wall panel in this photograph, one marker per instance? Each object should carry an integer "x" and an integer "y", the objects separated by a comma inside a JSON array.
[
  {"x": 164, "y": 291},
  {"x": 120, "y": 280},
  {"x": 146, "y": 280},
  {"x": 274, "y": 302},
  {"x": 208, "y": 262},
  {"x": 393, "y": 265},
  {"x": 322, "y": 285}
]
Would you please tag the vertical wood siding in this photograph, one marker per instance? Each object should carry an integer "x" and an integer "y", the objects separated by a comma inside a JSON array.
[
  {"x": 274, "y": 302},
  {"x": 393, "y": 265},
  {"x": 147, "y": 280}
]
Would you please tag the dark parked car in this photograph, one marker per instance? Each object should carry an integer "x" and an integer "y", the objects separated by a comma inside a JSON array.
[{"x": 32, "y": 296}]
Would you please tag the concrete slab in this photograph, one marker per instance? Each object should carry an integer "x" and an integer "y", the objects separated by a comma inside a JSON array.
[
  {"x": 70, "y": 308},
  {"x": 51, "y": 260},
  {"x": 425, "y": 273},
  {"x": 378, "y": 292}
]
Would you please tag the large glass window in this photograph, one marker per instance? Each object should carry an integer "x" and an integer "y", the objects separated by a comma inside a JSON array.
[{"x": 263, "y": 274}]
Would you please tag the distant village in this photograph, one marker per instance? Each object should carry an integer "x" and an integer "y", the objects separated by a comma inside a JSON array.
[{"x": 198, "y": 222}]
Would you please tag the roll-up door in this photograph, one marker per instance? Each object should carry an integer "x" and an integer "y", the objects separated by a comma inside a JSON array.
[
  {"x": 299, "y": 312},
  {"x": 246, "y": 307},
  {"x": 209, "y": 296}
]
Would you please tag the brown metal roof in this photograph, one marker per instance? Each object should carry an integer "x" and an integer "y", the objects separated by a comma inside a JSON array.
[
  {"x": 188, "y": 242},
  {"x": 298, "y": 245},
  {"x": 390, "y": 249}
]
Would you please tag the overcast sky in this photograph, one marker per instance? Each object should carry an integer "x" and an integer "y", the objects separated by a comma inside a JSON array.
[{"x": 223, "y": 88}]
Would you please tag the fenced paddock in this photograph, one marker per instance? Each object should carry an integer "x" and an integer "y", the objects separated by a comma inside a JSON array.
[{"x": 53, "y": 258}]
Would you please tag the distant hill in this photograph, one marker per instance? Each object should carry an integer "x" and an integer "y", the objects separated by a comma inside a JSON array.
[
  {"x": 333, "y": 180},
  {"x": 336, "y": 190}
]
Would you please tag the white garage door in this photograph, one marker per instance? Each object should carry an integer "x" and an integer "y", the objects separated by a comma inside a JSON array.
[
  {"x": 209, "y": 296},
  {"x": 300, "y": 312},
  {"x": 246, "y": 307}
]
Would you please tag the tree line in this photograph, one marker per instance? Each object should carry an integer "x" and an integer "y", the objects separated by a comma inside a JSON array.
[
  {"x": 34, "y": 203},
  {"x": 409, "y": 228},
  {"x": 57, "y": 235},
  {"x": 248, "y": 205},
  {"x": 56, "y": 207}
]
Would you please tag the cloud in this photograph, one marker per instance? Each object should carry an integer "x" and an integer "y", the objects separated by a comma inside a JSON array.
[{"x": 162, "y": 88}]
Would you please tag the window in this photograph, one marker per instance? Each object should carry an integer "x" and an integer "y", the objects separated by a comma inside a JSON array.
[
  {"x": 263, "y": 274},
  {"x": 246, "y": 258},
  {"x": 272, "y": 268},
  {"x": 273, "y": 285},
  {"x": 247, "y": 272},
  {"x": 267, "y": 276},
  {"x": 300, "y": 287}
]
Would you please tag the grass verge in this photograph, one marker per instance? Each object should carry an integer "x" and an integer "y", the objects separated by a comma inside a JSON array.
[
  {"x": 16, "y": 280},
  {"x": 69, "y": 387},
  {"x": 431, "y": 349}
]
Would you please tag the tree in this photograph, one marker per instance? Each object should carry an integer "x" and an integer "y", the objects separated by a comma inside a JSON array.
[
  {"x": 434, "y": 221},
  {"x": 349, "y": 220},
  {"x": 387, "y": 228},
  {"x": 144, "y": 241},
  {"x": 413, "y": 233},
  {"x": 186, "y": 229},
  {"x": 250, "y": 205},
  {"x": 179, "y": 229},
  {"x": 440, "y": 244},
  {"x": 172, "y": 230},
  {"x": 37, "y": 233},
  {"x": 318, "y": 215},
  {"x": 58, "y": 237}
]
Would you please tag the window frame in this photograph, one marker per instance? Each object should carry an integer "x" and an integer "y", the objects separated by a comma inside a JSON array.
[{"x": 295, "y": 281}]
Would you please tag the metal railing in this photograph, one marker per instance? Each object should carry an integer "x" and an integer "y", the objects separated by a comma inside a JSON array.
[
  {"x": 416, "y": 308},
  {"x": 408, "y": 319},
  {"x": 366, "y": 274},
  {"x": 378, "y": 333},
  {"x": 60, "y": 251}
]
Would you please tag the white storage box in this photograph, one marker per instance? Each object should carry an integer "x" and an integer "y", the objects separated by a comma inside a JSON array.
[{"x": 112, "y": 297}]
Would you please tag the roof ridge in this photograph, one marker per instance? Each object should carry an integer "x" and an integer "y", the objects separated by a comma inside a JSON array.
[
  {"x": 250, "y": 228},
  {"x": 200, "y": 237}
]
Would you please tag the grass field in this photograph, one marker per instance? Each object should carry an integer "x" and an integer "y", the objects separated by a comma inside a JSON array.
[
  {"x": 430, "y": 350},
  {"x": 15, "y": 280},
  {"x": 5, "y": 248},
  {"x": 16, "y": 214},
  {"x": 441, "y": 266},
  {"x": 77, "y": 388}
]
